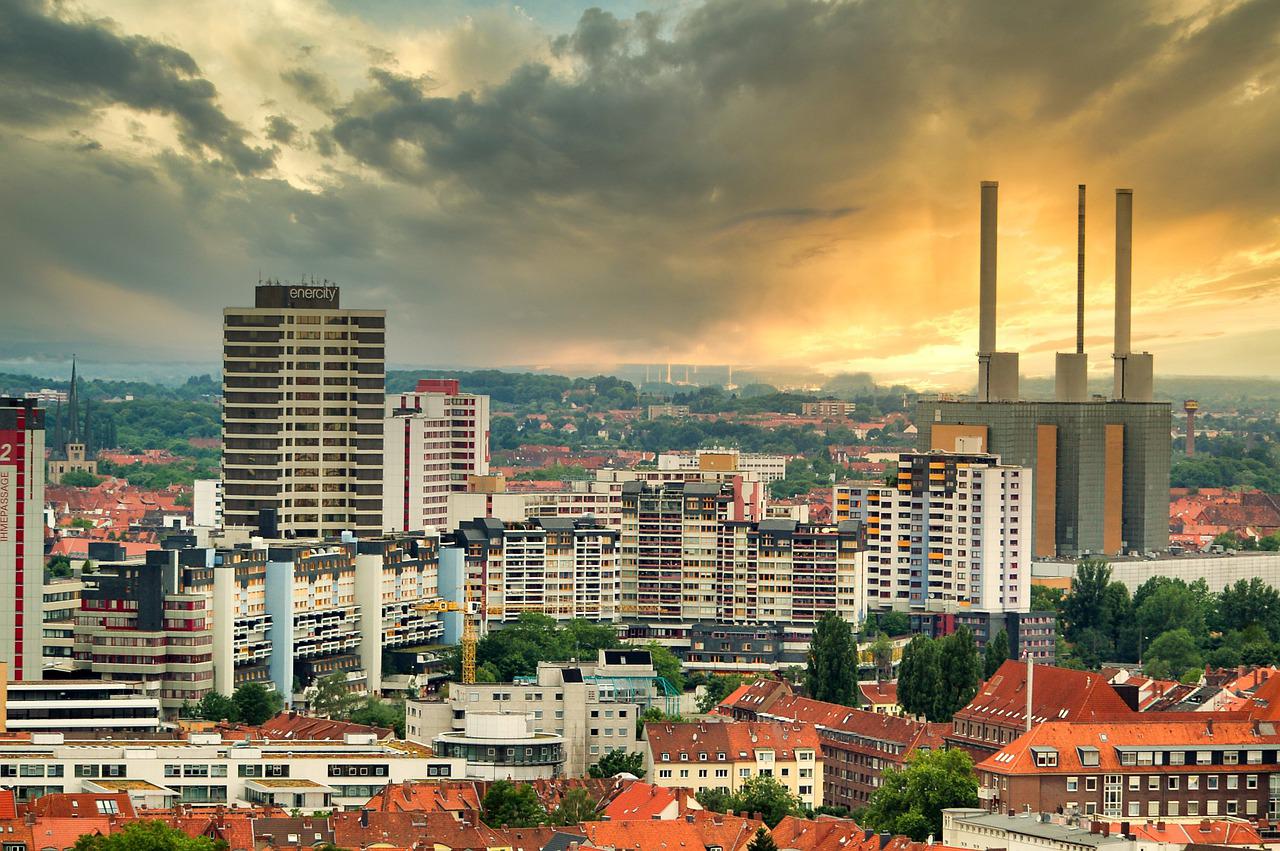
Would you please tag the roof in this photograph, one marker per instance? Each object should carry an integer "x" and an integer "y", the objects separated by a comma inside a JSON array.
[
  {"x": 1200, "y": 832},
  {"x": 67, "y": 805},
  {"x": 879, "y": 692},
  {"x": 8, "y": 804},
  {"x": 291, "y": 725},
  {"x": 1107, "y": 739},
  {"x": 756, "y": 697},
  {"x": 1057, "y": 694},
  {"x": 1029, "y": 825},
  {"x": 730, "y": 833},
  {"x": 717, "y": 742},
  {"x": 647, "y": 801},
  {"x": 426, "y": 797},
  {"x": 859, "y": 722},
  {"x": 824, "y": 834}
]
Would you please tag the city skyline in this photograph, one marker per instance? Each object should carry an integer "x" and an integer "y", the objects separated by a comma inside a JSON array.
[{"x": 553, "y": 185}]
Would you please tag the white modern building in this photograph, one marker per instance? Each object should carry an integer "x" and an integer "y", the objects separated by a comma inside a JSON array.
[
  {"x": 436, "y": 442},
  {"x": 770, "y": 468},
  {"x": 203, "y": 769},
  {"x": 503, "y": 746},
  {"x": 953, "y": 533},
  {"x": 206, "y": 504},
  {"x": 590, "y": 706},
  {"x": 70, "y": 706}
]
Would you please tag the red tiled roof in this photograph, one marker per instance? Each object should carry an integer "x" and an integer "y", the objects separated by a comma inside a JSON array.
[
  {"x": 823, "y": 834},
  {"x": 291, "y": 725},
  {"x": 79, "y": 805},
  {"x": 737, "y": 741},
  {"x": 1203, "y": 832},
  {"x": 707, "y": 829},
  {"x": 452, "y": 797},
  {"x": 646, "y": 801},
  {"x": 1058, "y": 694},
  {"x": 8, "y": 804},
  {"x": 844, "y": 719},
  {"x": 1157, "y": 731},
  {"x": 879, "y": 692}
]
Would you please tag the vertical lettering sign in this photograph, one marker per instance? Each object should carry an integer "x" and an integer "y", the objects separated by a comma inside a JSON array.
[{"x": 11, "y": 455}]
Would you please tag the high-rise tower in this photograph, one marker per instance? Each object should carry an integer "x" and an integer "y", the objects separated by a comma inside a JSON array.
[
  {"x": 303, "y": 383},
  {"x": 21, "y": 537}
]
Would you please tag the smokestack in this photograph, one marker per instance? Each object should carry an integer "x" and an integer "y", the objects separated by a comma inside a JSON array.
[
  {"x": 987, "y": 269},
  {"x": 1080, "y": 273},
  {"x": 1124, "y": 269},
  {"x": 1191, "y": 406},
  {"x": 1031, "y": 675}
]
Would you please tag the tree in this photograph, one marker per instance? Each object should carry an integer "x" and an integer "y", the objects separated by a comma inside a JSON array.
[
  {"x": 216, "y": 707},
  {"x": 333, "y": 699},
  {"x": 1172, "y": 653},
  {"x": 910, "y": 800},
  {"x": 832, "y": 675},
  {"x": 997, "y": 652},
  {"x": 576, "y": 806},
  {"x": 80, "y": 479},
  {"x": 1162, "y": 604},
  {"x": 1246, "y": 603},
  {"x": 506, "y": 804},
  {"x": 666, "y": 664},
  {"x": 762, "y": 841},
  {"x": 618, "y": 761},
  {"x": 920, "y": 678},
  {"x": 652, "y": 715},
  {"x": 254, "y": 704},
  {"x": 891, "y": 622},
  {"x": 715, "y": 799},
  {"x": 1046, "y": 599},
  {"x": 149, "y": 835},
  {"x": 961, "y": 673},
  {"x": 716, "y": 689},
  {"x": 380, "y": 713},
  {"x": 882, "y": 656},
  {"x": 767, "y": 796}
]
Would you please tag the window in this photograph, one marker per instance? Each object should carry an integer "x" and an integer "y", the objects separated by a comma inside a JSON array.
[
  {"x": 1253, "y": 757},
  {"x": 666, "y": 757},
  {"x": 1233, "y": 807},
  {"x": 744, "y": 772},
  {"x": 1173, "y": 808},
  {"x": 1251, "y": 781},
  {"x": 1091, "y": 784},
  {"x": 1231, "y": 757},
  {"x": 1211, "y": 782},
  {"x": 1193, "y": 783},
  {"x": 664, "y": 773},
  {"x": 1177, "y": 758},
  {"x": 1204, "y": 758},
  {"x": 1173, "y": 783},
  {"x": 1211, "y": 808},
  {"x": 1073, "y": 783},
  {"x": 1193, "y": 808},
  {"x": 1046, "y": 757},
  {"x": 684, "y": 772},
  {"x": 1233, "y": 781},
  {"x": 1153, "y": 782},
  {"x": 1134, "y": 809},
  {"x": 1135, "y": 783}
]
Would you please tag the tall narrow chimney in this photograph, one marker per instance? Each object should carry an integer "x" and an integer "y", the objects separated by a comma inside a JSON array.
[
  {"x": 1031, "y": 676},
  {"x": 987, "y": 269},
  {"x": 1124, "y": 269},
  {"x": 1080, "y": 273}
]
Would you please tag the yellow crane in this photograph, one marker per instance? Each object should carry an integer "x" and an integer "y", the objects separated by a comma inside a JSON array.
[{"x": 469, "y": 636}]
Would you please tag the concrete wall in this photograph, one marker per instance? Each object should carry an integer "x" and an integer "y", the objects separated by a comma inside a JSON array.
[{"x": 1218, "y": 571}]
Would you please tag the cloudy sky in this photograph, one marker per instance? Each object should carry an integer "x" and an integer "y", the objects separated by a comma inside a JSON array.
[{"x": 730, "y": 181}]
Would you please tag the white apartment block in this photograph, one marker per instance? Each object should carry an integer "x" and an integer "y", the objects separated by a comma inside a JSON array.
[
  {"x": 562, "y": 568},
  {"x": 592, "y": 705},
  {"x": 206, "y": 504},
  {"x": 202, "y": 769},
  {"x": 955, "y": 532},
  {"x": 770, "y": 468},
  {"x": 303, "y": 384},
  {"x": 599, "y": 499},
  {"x": 437, "y": 440}
]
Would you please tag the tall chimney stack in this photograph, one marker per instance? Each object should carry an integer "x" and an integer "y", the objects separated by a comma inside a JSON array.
[
  {"x": 987, "y": 269},
  {"x": 1071, "y": 369},
  {"x": 997, "y": 371},
  {"x": 1080, "y": 272},
  {"x": 1124, "y": 269}
]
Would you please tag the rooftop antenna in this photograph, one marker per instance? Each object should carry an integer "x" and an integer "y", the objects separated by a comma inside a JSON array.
[{"x": 1080, "y": 273}]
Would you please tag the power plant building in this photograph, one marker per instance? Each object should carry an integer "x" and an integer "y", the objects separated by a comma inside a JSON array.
[{"x": 1100, "y": 466}]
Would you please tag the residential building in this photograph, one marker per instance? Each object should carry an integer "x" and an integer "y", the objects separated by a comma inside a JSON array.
[
  {"x": 828, "y": 409},
  {"x": 702, "y": 756},
  {"x": 206, "y": 503},
  {"x": 953, "y": 533},
  {"x": 80, "y": 706},
  {"x": 498, "y": 746},
  {"x": 1031, "y": 634},
  {"x": 203, "y": 769},
  {"x": 1169, "y": 765},
  {"x": 592, "y": 707},
  {"x": 303, "y": 387},
  {"x": 76, "y": 461},
  {"x": 150, "y": 621},
  {"x": 668, "y": 410},
  {"x": 980, "y": 830},
  {"x": 58, "y": 616},
  {"x": 436, "y": 440},
  {"x": 856, "y": 745},
  {"x": 597, "y": 499},
  {"x": 997, "y": 715},
  {"x": 21, "y": 537},
  {"x": 770, "y": 468},
  {"x": 562, "y": 568}
]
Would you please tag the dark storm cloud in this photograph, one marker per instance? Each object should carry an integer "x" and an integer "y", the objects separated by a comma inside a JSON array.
[
  {"x": 314, "y": 88},
  {"x": 56, "y": 68},
  {"x": 280, "y": 129}
]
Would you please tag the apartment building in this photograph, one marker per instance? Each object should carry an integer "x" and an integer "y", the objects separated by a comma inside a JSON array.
[
  {"x": 702, "y": 756},
  {"x": 856, "y": 745},
  {"x": 58, "y": 618},
  {"x": 829, "y": 408},
  {"x": 150, "y": 622},
  {"x": 22, "y": 537},
  {"x": 80, "y": 706},
  {"x": 592, "y": 706},
  {"x": 435, "y": 440},
  {"x": 1183, "y": 765},
  {"x": 769, "y": 468},
  {"x": 953, "y": 533},
  {"x": 562, "y": 568},
  {"x": 597, "y": 499},
  {"x": 302, "y": 419},
  {"x": 203, "y": 769},
  {"x": 503, "y": 746}
]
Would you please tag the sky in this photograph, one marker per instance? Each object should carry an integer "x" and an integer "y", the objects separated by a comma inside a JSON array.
[{"x": 789, "y": 182}]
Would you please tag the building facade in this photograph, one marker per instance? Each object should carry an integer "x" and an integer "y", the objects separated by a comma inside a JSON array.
[
  {"x": 953, "y": 533},
  {"x": 206, "y": 504},
  {"x": 22, "y": 537},
  {"x": 701, "y": 756},
  {"x": 436, "y": 440},
  {"x": 303, "y": 388},
  {"x": 80, "y": 706}
]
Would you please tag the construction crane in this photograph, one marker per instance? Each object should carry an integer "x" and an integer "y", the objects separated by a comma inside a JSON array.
[{"x": 469, "y": 634}]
